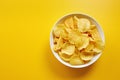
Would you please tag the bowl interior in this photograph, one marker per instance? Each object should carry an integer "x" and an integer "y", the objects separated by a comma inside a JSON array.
[{"x": 93, "y": 21}]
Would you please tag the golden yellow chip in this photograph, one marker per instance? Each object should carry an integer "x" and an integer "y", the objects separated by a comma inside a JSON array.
[
  {"x": 64, "y": 35},
  {"x": 90, "y": 47},
  {"x": 74, "y": 36},
  {"x": 86, "y": 35},
  {"x": 86, "y": 56},
  {"x": 82, "y": 43},
  {"x": 75, "y": 60},
  {"x": 83, "y": 24},
  {"x": 65, "y": 57},
  {"x": 96, "y": 50},
  {"x": 55, "y": 40},
  {"x": 69, "y": 23},
  {"x": 59, "y": 44},
  {"x": 58, "y": 30},
  {"x": 91, "y": 39},
  {"x": 68, "y": 49},
  {"x": 92, "y": 27},
  {"x": 75, "y": 20},
  {"x": 95, "y": 34},
  {"x": 99, "y": 45}
]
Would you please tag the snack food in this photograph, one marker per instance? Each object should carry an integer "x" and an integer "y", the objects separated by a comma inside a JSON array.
[{"x": 77, "y": 40}]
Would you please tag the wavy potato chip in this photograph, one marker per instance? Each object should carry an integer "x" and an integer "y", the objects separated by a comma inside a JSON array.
[
  {"x": 68, "y": 30},
  {"x": 69, "y": 23},
  {"x": 68, "y": 49},
  {"x": 75, "y": 60},
  {"x": 86, "y": 56},
  {"x": 83, "y": 24},
  {"x": 59, "y": 44},
  {"x": 90, "y": 47},
  {"x": 75, "y": 20},
  {"x": 55, "y": 40},
  {"x": 64, "y": 35},
  {"x": 99, "y": 45},
  {"x": 64, "y": 56},
  {"x": 58, "y": 30},
  {"x": 91, "y": 39},
  {"x": 92, "y": 27},
  {"x": 82, "y": 43},
  {"x": 95, "y": 34},
  {"x": 96, "y": 50},
  {"x": 74, "y": 36}
]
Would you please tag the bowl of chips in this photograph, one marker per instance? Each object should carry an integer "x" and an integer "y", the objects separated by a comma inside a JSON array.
[{"x": 77, "y": 40}]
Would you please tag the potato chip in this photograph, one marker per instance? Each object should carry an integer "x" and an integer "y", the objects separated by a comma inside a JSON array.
[
  {"x": 64, "y": 35},
  {"x": 59, "y": 44},
  {"x": 92, "y": 27},
  {"x": 91, "y": 39},
  {"x": 83, "y": 24},
  {"x": 69, "y": 23},
  {"x": 55, "y": 40},
  {"x": 74, "y": 36},
  {"x": 68, "y": 49},
  {"x": 99, "y": 45},
  {"x": 68, "y": 30},
  {"x": 82, "y": 43},
  {"x": 96, "y": 50},
  {"x": 86, "y": 56},
  {"x": 86, "y": 35},
  {"x": 64, "y": 56},
  {"x": 58, "y": 30},
  {"x": 95, "y": 34},
  {"x": 75, "y": 20},
  {"x": 75, "y": 60},
  {"x": 90, "y": 47}
]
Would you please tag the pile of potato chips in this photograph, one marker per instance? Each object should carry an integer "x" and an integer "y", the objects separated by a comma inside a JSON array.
[{"x": 77, "y": 40}]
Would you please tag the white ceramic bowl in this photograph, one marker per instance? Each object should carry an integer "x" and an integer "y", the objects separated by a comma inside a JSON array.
[{"x": 83, "y": 16}]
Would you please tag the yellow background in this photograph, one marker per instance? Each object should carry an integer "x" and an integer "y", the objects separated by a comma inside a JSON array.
[{"x": 24, "y": 39}]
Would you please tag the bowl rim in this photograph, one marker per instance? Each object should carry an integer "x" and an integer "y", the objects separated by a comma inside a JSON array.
[{"x": 58, "y": 57}]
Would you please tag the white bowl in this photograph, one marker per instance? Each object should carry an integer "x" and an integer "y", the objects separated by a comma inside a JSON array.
[{"x": 84, "y": 16}]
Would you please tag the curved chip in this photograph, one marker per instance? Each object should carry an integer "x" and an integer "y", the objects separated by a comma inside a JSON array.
[
  {"x": 75, "y": 60},
  {"x": 64, "y": 56},
  {"x": 74, "y": 36},
  {"x": 92, "y": 27},
  {"x": 83, "y": 24},
  {"x": 68, "y": 49},
  {"x": 58, "y": 30},
  {"x": 91, "y": 39},
  {"x": 95, "y": 34},
  {"x": 86, "y": 56},
  {"x": 69, "y": 23},
  {"x": 55, "y": 40},
  {"x": 90, "y": 47},
  {"x": 82, "y": 43},
  {"x": 75, "y": 20},
  {"x": 59, "y": 44},
  {"x": 64, "y": 35},
  {"x": 99, "y": 46}
]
